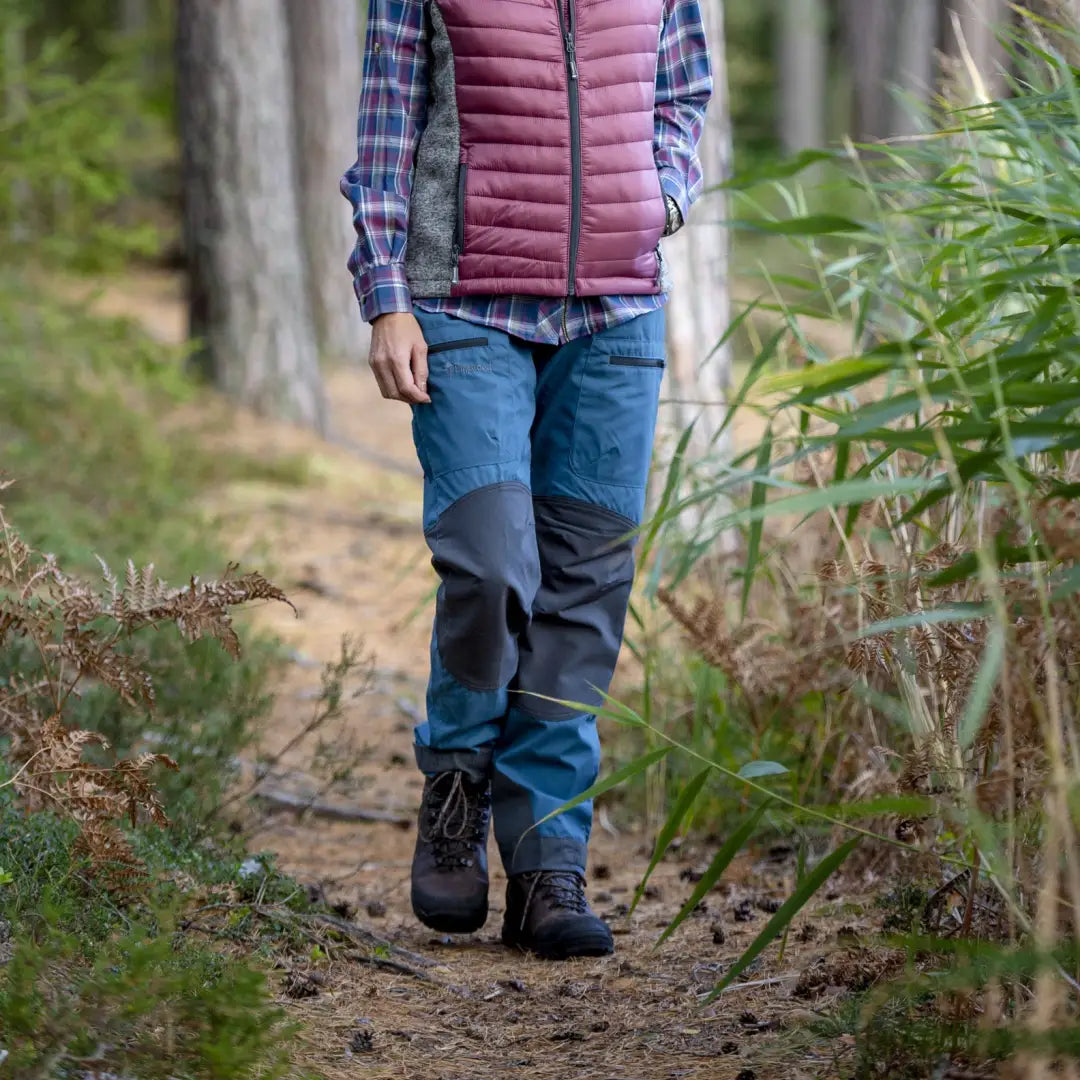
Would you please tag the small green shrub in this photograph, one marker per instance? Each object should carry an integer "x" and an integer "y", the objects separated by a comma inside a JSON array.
[
  {"x": 88, "y": 977},
  {"x": 147, "y": 1005}
]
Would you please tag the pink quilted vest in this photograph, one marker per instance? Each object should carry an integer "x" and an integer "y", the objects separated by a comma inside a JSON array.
[{"x": 558, "y": 189}]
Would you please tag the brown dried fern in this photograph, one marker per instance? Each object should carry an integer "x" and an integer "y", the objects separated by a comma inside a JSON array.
[
  {"x": 74, "y": 635},
  {"x": 829, "y": 645}
]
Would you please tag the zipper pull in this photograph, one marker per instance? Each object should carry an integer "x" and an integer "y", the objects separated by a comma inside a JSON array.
[
  {"x": 571, "y": 56},
  {"x": 455, "y": 258}
]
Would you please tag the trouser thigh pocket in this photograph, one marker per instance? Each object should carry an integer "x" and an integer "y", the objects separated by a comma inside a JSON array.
[
  {"x": 470, "y": 421},
  {"x": 615, "y": 422}
]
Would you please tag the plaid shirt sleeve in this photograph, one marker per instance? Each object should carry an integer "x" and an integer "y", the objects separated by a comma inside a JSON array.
[
  {"x": 393, "y": 113},
  {"x": 683, "y": 89}
]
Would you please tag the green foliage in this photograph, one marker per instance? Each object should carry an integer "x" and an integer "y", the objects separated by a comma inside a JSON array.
[
  {"x": 87, "y": 978},
  {"x": 750, "y": 29},
  {"x": 930, "y": 473},
  {"x": 69, "y": 141},
  {"x": 904, "y": 907},
  {"x": 933, "y": 1016},
  {"x": 736, "y": 841},
  {"x": 97, "y": 476},
  {"x": 807, "y": 887},
  {"x": 217, "y": 1013},
  {"x": 98, "y": 473},
  {"x": 679, "y": 813}
]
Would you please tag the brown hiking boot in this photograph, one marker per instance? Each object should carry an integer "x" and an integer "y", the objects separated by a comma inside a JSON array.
[
  {"x": 449, "y": 870},
  {"x": 547, "y": 913}
]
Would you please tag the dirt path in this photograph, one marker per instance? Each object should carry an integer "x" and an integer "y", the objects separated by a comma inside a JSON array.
[{"x": 347, "y": 547}]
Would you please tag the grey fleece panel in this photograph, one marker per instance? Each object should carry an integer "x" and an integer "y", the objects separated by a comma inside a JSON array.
[
  {"x": 587, "y": 571},
  {"x": 484, "y": 550},
  {"x": 429, "y": 257}
]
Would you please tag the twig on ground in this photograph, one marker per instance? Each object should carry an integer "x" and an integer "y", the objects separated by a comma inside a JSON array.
[
  {"x": 934, "y": 901},
  {"x": 286, "y": 800},
  {"x": 358, "y": 934},
  {"x": 758, "y": 983},
  {"x": 398, "y": 967},
  {"x": 363, "y": 936}
]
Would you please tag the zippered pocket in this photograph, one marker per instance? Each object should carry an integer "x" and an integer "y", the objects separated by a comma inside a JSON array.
[
  {"x": 636, "y": 361},
  {"x": 616, "y": 409},
  {"x": 459, "y": 224},
  {"x": 449, "y": 346}
]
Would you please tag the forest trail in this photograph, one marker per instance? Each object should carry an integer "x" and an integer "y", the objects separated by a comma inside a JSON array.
[{"x": 346, "y": 546}]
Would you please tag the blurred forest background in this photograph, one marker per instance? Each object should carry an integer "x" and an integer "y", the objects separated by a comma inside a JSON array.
[{"x": 842, "y": 757}]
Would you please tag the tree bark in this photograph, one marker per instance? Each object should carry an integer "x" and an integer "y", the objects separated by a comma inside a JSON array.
[
  {"x": 326, "y": 68},
  {"x": 249, "y": 299},
  {"x": 803, "y": 74},
  {"x": 916, "y": 65},
  {"x": 971, "y": 29},
  {"x": 698, "y": 263},
  {"x": 870, "y": 36}
]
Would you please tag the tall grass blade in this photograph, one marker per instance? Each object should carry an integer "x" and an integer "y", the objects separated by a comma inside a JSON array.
[
  {"x": 809, "y": 501},
  {"x": 619, "y": 776},
  {"x": 732, "y": 846},
  {"x": 982, "y": 689},
  {"x": 797, "y": 901},
  {"x": 765, "y": 356},
  {"x": 757, "y": 499},
  {"x": 671, "y": 827},
  {"x": 755, "y": 770}
]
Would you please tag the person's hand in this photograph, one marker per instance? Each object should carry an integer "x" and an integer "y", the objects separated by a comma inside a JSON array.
[{"x": 399, "y": 358}]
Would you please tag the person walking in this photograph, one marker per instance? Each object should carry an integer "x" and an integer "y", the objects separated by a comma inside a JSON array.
[{"x": 519, "y": 162}]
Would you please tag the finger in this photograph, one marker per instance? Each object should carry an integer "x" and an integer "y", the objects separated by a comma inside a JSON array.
[
  {"x": 384, "y": 377},
  {"x": 406, "y": 387},
  {"x": 420, "y": 371}
]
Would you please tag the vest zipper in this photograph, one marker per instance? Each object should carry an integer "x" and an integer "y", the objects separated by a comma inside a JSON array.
[
  {"x": 566, "y": 24},
  {"x": 459, "y": 225}
]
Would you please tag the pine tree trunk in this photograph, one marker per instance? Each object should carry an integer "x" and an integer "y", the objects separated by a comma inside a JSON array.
[
  {"x": 698, "y": 262},
  {"x": 803, "y": 74},
  {"x": 971, "y": 30},
  {"x": 249, "y": 298},
  {"x": 870, "y": 36},
  {"x": 327, "y": 66},
  {"x": 916, "y": 64}
]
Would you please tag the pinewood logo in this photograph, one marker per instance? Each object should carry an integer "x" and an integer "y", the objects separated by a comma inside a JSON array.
[{"x": 468, "y": 369}]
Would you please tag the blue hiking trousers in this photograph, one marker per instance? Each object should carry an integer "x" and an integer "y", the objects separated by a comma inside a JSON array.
[{"x": 535, "y": 462}]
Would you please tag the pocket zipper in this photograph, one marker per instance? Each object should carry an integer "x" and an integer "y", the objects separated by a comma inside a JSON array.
[
  {"x": 636, "y": 361},
  {"x": 449, "y": 346}
]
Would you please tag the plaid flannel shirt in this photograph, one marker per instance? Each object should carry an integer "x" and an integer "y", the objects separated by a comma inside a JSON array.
[{"x": 393, "y": 112}]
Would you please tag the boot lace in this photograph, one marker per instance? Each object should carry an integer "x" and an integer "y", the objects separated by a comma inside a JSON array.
[
  {"x": 455, "y": 822},
  {"x": 561, "y": 889}
]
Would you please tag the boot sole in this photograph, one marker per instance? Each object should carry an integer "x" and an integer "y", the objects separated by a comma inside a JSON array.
[
  {"x": 451, "y": 922},
  {"x": 583, "y": 945}
]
